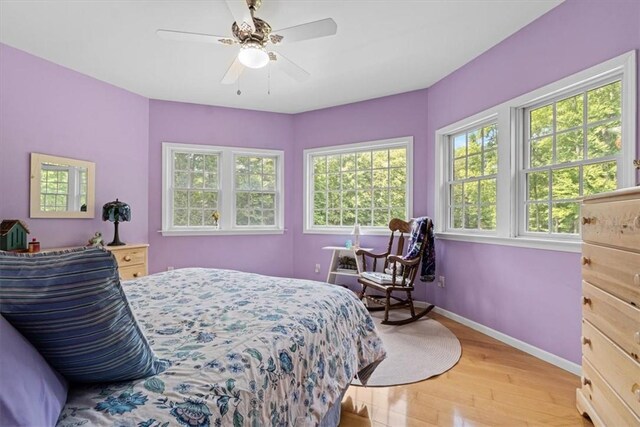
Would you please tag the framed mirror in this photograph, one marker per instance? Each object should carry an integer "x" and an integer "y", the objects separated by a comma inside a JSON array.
[{"x": 62, "y": 187}]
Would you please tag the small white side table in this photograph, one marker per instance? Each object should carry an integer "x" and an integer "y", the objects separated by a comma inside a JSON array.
[{"x": 337, "y": 252}]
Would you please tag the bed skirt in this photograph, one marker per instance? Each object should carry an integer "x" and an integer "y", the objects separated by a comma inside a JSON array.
[{"x": 332, "y": 418}]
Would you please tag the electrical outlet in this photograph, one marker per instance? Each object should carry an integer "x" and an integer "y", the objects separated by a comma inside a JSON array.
[
  {"x": 441, "y": 281},
  {"x": 317, "y": 268},
  {"x": 170, "y": 268}
]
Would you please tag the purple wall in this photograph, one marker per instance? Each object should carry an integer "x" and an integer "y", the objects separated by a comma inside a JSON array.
[
  {"x": 198, "y": 124},
  {"x": 383, "y": 118},
  {"x": 50, "y": 109},
  {"x": 529, "y": 294}
]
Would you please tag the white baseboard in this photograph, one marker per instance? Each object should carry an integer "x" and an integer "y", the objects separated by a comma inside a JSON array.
[{"x": 558, "y": 361}]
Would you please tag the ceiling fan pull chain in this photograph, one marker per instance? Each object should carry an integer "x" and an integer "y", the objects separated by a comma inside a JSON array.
[{"x": 239, "y": 92}]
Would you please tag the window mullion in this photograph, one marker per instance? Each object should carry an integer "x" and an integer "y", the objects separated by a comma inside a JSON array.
[
  {"x": 167, "y": 188},
  {"x": 550, "y": 204},
  {"x": 585, "y": 140},
  {"x": 226, "y": 192},
  {"x": 506, "y": 181},
  {"x": 73, "y": 185}
]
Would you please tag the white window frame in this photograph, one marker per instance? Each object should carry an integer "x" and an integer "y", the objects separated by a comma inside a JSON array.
[
  {"x": 492, "y": 119},
  {"x": 226, "y": 199},
  {"x": 524, "y": 152},
  {"x": 401, "y": 142},
  {"x": 279, "y": 188},
  {"x": 510, "y": 122}
]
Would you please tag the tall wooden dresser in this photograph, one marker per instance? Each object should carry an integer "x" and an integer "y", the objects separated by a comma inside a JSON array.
[{"x": 610, "y": 389}]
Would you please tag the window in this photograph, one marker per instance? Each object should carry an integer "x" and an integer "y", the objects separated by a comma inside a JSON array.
[
  {"x": 221, "y": 190},
  {"x": 255, "y": 190},
  {"x": 196, "y": 189},
  {"x": 63, "y": 188},
  {"x": 572, "y": 150},
  {"x": 515, "y": 174},
  {"x": 54, "y": 188},
  {"x": 472, "y": 181},
  {"x": 365, "y": 183}
]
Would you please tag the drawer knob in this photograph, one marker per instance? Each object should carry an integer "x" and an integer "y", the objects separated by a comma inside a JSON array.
[
  {"x": 586, "y": 301},
  {"x": 586, "y": 260},
  {"x": 586, "y": 341},
  {"x": 136, "y": 274},
  {"x": 636, "y": 279},
  {"x": 636, "y": 337},
  {"x": 587, "y": 220},
  {"x": 635, "y": 389},
  {"x": 586, "y": 381},
  {"x": 127, "y": 258}
]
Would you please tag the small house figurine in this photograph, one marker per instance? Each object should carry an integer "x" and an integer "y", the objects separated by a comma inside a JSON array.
[{"x": 13, "y": 235}]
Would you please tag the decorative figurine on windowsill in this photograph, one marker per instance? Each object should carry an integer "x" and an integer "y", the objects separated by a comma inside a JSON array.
[
  {"x": 216, "y": 217},
  {"x": 96, "y": 240},
  {"x": 636, "y": 163}
]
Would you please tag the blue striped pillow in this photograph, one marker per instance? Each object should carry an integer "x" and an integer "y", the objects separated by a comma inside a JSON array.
[{"x": 71, "y": 307}]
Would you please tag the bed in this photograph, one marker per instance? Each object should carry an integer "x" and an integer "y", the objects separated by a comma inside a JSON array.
[{"x": 244, "y": 349}]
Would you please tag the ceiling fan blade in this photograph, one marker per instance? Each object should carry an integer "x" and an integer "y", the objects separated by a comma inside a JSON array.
[
  {"x": 242, "y": 15},
  {"x": 310, "y": 30},
  {"x": 193, "y": 37},
  {"x": 233, "y": 73},
  {"x": 293, "y": 70}
]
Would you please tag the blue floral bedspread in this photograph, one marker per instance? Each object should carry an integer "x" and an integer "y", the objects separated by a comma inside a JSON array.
[{"x": 245, "y": 350}]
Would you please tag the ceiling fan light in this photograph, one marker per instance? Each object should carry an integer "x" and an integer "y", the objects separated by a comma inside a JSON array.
[{"x": 253, "y": 55}]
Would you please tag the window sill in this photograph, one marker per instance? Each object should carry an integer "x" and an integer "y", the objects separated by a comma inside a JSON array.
[
  {"x": 523, "y": 242},
  {"x": 384, "y": 231},
  {"x": 233, "y": 232}
]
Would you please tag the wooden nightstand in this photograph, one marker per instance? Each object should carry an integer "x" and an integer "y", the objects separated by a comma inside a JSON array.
[{"x": 132, "y": 260}]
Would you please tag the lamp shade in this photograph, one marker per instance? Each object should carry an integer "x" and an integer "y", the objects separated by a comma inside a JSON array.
[
  {"x": 253, "y": 55},
  {"x": 116, "y": 211}
]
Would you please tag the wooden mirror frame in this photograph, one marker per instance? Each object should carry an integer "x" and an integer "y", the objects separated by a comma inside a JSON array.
[{"x": 37, "y": 160}]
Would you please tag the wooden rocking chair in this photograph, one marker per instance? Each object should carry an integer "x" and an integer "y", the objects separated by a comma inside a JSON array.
[{"x": 397, "y": 276}]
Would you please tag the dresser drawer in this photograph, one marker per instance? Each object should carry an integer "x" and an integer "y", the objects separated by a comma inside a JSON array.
[
  {"x": 613, "y": 270},
  {"x": 614, "y": 223},
  {"x": 613, "y": 317},
  {"x": 607, "y": 405},
  {"x": 132, "y": 272},
  {"x": 131, "y": 259},
  {"x": 620, "y": 370},
  {"x": 128, "y": 257}
]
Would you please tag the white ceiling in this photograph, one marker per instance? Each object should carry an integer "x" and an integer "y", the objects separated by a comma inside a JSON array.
[{"x": 381, "y": 48}]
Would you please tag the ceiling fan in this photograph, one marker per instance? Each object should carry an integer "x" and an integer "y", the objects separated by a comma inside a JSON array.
[{"x": 255, "y": 36}]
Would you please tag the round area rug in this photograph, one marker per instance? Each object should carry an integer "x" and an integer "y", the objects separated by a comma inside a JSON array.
[{"x": 415, "y": 351}]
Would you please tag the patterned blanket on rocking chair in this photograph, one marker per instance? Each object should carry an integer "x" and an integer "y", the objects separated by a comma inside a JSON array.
[{"x": 422, "y": 233}]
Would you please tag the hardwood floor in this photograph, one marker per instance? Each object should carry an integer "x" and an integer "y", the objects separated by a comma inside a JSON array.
[{"x": 492, "y": 385}]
